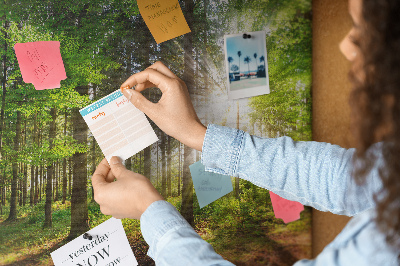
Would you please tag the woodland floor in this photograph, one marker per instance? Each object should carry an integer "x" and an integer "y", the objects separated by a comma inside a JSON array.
[{"x": 24, "y": 242}]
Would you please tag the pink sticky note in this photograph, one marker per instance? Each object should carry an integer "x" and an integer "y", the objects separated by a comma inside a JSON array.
[
  {"x": 284, "y": 209},
  {"x": 41, "y": 63}
]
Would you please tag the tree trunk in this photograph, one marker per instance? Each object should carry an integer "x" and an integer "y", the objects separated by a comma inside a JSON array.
[
  {"x": 3, "y": 104},
  {"x": 25, "y": 167},
  {"x": 33, "y": 184},
  {"x": 3, "y": 84},
  {"x": 20, "y": 184},
  {"x": 13, "y": 200},
  {"x": 64, "y": 167},
  {"x": 50, "y": 170},
  {"x": 163, "y": 167},
  {"x": 169, "y": 181},
  {"x": 25, "y": 185},
  {"x": 147, "y": 162},
  {"x": 56, "y": 176},
  {"x": 158, "y": 145},
  {"x": 36, "y": 195},
  {"x": 41, "y": 183},
  {"x": 79, "y": 211},
  {"x": 187, "y": 186},
  {"x": 188, "y": 77},
  {"x": 70, "y": 176}
]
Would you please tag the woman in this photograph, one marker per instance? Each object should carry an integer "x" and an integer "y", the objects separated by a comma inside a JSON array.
[{"x": 320, "y": 175}]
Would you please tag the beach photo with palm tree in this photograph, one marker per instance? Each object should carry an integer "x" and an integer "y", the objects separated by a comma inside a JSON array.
[{"x": 249, "y": 77}]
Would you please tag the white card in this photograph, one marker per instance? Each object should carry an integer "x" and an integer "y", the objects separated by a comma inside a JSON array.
[
  {"x": 108, "y": 247},
  {"x": 118, "y": 126}
]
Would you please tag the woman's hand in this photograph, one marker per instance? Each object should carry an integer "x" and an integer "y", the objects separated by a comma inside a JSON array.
[
  {"x": 128, "y": 196},
  {"x": 174, "y": 113}
]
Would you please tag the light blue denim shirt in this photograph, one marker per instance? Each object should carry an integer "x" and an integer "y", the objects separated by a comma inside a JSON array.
[{"x": 312, "y": 173}]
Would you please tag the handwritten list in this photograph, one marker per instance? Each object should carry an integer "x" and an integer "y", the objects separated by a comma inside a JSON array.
[
  {"x": 118, "y": 126},
  {"x": 41, "y": 63},
  {"x": 164, "y": 19},
  {"x": 209, "y": 186}
]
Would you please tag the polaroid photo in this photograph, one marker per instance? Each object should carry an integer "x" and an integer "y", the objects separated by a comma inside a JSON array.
[{"x": 246, "y": 64}]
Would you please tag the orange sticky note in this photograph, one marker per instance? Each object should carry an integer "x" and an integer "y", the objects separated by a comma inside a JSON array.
[
  {"x": 41, "y": 63},
  {"x": 164, "y": 19},
  {"x": 284, "y": 209}
]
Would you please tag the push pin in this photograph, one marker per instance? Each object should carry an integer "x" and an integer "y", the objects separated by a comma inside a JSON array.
[
  {"x": 87, "y": 236},
  {"x": 246, "y": 36}
]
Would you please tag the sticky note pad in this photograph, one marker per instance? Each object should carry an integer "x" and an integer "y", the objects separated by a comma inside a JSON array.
[
  {"x": 118, "y": 126},
  {"x": 284, "y": 209},
  {"x": 164, "y": 19},
  {"x": 209, "y": 186},
  {"x": 41, "y": 63},
  {"x": 108, "y": 246}
]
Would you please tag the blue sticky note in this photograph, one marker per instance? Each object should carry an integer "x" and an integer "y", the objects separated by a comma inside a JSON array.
[{"x": 209, "y": 186}]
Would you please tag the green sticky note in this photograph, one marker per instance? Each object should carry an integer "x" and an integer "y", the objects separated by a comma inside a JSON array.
[{"x": 209, "y": 186}]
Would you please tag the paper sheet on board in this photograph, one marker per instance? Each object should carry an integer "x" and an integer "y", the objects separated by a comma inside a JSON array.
[
  {"x": 41, "y": 63},
  {"x": 209, "y": 186},
  {"x": 164, "y": 19},
  {"x": 118, "y": 126}
]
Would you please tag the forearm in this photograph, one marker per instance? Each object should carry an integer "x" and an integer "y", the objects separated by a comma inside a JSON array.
[
  {"x": 173, "y": 241},
  {"x": 312, "y": 173}
]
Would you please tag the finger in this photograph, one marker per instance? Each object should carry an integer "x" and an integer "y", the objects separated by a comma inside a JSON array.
[
  {"x": 117, "y": 167},
  {"x": 110, "y": 177},
  {"x": 159, "y": 80},
  {"x": 99, "y": 176},
  {"x": 140, "y": 86},
  {"x": 140, "y": 102},
  {"x": 143, "y": 86},
  {"x": 160, "y": 67}
]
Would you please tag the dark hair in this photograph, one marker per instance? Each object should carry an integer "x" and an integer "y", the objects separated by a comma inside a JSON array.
[{"x": 375, "y": 102}]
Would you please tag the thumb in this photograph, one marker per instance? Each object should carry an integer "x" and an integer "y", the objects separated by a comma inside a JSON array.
[
  {"x": 117, "y": 168},
  {"x": 138, "y": 100}
]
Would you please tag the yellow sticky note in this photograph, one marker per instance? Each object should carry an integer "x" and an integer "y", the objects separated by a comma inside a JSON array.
[{"x": 164, "y": 18}]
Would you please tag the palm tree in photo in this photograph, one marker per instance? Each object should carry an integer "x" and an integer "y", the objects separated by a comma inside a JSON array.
[
  {"x": 239, "y": 54},
  {"x": 230, "y": 60},
  {"x": 255, "y": 58},
  {"x": 262, "y": 59},
  {"x": 247, "y": 60}
]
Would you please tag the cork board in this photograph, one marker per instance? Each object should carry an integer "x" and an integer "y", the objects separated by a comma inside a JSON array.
[{"x": 331, "y": 89}]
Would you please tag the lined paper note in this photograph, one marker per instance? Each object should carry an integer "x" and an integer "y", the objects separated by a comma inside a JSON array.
[
  {"x": 209, "y": 186},
  {"x": 118, "y": 126},
  {"x": 41, "y": 64},
  {"x": 164, "y": 19},
  {"x": 284, "y": 209}
]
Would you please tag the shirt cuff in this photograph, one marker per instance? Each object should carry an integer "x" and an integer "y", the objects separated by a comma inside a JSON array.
[
  {"x": 222, "y": 148},
  {"x": 157, "y": 220}
]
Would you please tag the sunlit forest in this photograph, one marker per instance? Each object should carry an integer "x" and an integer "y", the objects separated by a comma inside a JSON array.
[{"x": 48, "y": 154}]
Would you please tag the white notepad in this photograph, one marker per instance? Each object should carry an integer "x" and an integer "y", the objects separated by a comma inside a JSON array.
[{"x": 118, "y": 126}]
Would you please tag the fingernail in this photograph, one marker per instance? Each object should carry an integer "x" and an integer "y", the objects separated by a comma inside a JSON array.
[
  {"x": 115, "y": 160},
  {"x": 127, "y": 93},
  {"x": 124, "y": 88}
]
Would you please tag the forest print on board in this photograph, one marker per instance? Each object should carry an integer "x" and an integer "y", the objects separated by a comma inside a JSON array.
[{"x": 48, "y": 153}]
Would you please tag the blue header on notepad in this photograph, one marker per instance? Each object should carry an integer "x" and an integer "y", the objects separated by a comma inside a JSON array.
[{"x": 94, "y": 106}]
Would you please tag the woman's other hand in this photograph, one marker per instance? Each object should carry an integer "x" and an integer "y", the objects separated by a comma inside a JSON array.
[{"x": 126, "y": 197}]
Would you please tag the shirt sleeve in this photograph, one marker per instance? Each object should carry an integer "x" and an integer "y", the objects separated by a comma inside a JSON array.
[
  {"x": 313, "y": 173},
  {"x": 172, "y": 240}
]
